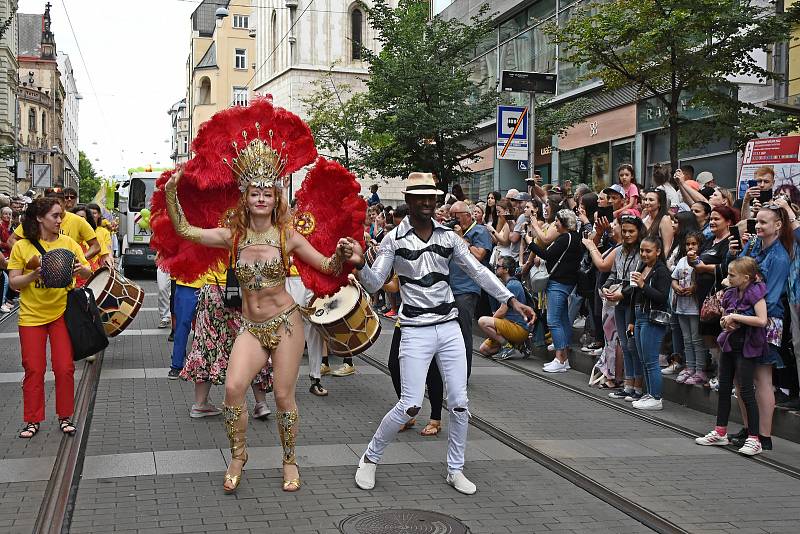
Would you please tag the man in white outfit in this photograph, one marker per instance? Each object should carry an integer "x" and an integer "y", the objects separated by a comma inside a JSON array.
[
  {"x": 419, "y": 250},
  {"x": 163, "y": 298},
  {"x": 314, "y": 341}
]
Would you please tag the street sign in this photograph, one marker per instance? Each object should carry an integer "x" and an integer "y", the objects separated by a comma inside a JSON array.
[
  {"x": 528, "y": 82},
  {"x": 522, "y": 166},
  {"x": 512, "y": 133},
  {"x": 780, "y": 153},
  {"x": 41, "y": 175}
]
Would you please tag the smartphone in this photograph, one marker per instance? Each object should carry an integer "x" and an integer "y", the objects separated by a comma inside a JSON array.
[
  {"x": 586, "y": 232},
  {"x": 734, "y": 230},
  {"x": 765, "y": 196},
  {"x": 607, "y": 212},
  {"x": 752, "y": 183},
  {"x": 751, "y": 226}
]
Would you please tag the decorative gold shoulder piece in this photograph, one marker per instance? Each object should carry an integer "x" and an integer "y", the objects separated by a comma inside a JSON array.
[
  {"x": 304, "y": 222},
  {"x": 257, "y": 164}
]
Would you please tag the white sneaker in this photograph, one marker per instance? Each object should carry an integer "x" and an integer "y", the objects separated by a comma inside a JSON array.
[
  {"x": 261, "y": 411},
  {"x": 365, "y": 475},
  {"x": 596, "y": 352},
  {"x": 208, "y": 410},
  {"x": 751, "y": 447},
  {"x": 580, "y": 322},
  {"x": 5, "y": 308},
  {"x": 671, "y": 369},
  {"x": 165, "y": 323},
  {"x": 712, "y": 438},
  {"x": 551, "y": 347},
  {"x": 556, "y": 366},
  {"x": 461, "y": 483},
  {"x": 647, "y": 402}
]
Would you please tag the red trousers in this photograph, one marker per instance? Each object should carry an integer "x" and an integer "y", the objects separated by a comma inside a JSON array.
[{"x": 33, "y": 340}]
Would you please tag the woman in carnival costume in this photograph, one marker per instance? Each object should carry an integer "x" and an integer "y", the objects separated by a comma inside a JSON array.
[{"x": 243, "y": 157}]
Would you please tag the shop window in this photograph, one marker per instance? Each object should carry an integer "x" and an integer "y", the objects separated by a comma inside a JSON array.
[{"x": 589, "y": 165}]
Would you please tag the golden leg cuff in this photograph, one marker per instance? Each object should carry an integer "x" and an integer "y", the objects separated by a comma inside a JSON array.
[
  {"x": 287, "y": 423},
  {"x": 236, "y": 427}
]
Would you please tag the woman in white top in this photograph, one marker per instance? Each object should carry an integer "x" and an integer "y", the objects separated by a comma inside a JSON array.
[{"x": 663, "y": 181}]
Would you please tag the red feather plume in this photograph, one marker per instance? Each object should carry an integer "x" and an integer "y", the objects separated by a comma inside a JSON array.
[
  {"x": 291, "y": 137},
  {"x": 331, "y": 194}
]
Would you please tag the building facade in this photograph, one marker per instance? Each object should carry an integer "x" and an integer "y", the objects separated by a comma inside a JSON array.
[
  {"x": 8, "y": 96},
  {"x": 72, "y": 99},
  {"x": 179, "y": 127},
  {"x": 620, "y": 127},
  {"x": 298, "y": 44},
  {"x": 41, "y": 104},
  {"x": 220, "y": 65}
]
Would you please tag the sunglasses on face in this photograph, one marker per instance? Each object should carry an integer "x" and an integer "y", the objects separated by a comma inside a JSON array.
[{"x": 70, "y": 197}]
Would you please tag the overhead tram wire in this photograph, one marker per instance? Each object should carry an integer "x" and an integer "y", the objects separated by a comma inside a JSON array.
[{"x": 88, "y": 73}]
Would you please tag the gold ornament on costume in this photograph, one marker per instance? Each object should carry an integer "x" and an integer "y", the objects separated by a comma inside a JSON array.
[
  {"x": 227, "y": 218},
  {"x": 304, "y": 222},
  {"x": 257, "y": 164}
]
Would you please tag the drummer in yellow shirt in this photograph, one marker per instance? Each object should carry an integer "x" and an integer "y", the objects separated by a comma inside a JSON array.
[
  {"x": 71, "y": 226},
  {"x": 41, "y": 317},
  {"x": 103, "y": 235}
]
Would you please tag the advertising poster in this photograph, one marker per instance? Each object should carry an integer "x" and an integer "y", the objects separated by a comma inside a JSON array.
[{"x": 780, "y": 153}]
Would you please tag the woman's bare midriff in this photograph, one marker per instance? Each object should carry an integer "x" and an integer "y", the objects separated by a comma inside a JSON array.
[{"x": 266, "y": 303}]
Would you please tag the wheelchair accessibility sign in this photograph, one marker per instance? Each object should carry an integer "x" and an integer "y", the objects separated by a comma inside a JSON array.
[{"x": 512, "y": 132}]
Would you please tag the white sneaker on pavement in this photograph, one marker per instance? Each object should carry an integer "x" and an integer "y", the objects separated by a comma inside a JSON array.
[
  {"x": 165, "y": 323},
  {"x": 461, "y": 483},
  {"x": 365, "y": 475},
  {"x": 580, "y": 322},
  {"x": 648, "y": 402},
  {"x": 671, "y": 369},
  {"x": 208, "y": 410},
  {"x": 712, "y": 438},
  {"x": 261, "y": 410},
  {"x": 556, "y": 366},
  {"x": 751, "y": 447}
]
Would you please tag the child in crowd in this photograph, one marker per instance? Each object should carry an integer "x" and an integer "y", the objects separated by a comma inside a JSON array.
[
  {"x": 743, "y": 341},
  {"x": 627, "y": 179},
  {"x": 687, "y": 310}
]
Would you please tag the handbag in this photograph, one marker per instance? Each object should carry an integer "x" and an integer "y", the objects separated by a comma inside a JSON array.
[
  {"x": 711, "y": 310},
  {"x": 232, "y": 297},
  {"x": 84, "y": 325},
  {"x": 659, "y": 317}
]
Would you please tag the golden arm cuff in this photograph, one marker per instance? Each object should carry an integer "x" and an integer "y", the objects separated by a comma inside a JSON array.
[
  {"x": 331, "y": 265},
  {"x": 178, "y": 218}
]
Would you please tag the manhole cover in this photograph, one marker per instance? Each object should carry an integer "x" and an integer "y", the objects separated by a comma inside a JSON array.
[{"x": 402, "y": 521}]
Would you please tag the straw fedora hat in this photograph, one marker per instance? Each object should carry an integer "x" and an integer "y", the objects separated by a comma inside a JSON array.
[{"x": 421, "y": 183}]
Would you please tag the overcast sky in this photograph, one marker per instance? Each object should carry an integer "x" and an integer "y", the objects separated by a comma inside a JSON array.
[{"x": 135, "y": 51}]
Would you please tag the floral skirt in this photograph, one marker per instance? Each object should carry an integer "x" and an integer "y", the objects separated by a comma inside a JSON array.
[{"x": 215, "y": 330}]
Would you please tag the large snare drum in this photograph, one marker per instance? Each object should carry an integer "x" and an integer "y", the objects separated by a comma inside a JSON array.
[
  {"x": 346, "y": 320},
  {"x": 118, "y": 298}
]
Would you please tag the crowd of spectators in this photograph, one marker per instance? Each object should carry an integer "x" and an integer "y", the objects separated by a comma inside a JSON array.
[{"x": 679, "y": 279}]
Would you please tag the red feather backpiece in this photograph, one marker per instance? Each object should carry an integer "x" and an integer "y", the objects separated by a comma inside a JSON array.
[
  {"x": 209, "y": 187},
  {"x": 183, "y": 259},
  {"x": 331, "y": 194}
]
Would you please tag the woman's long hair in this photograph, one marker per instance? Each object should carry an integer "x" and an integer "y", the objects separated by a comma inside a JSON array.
[
  {"x": 38, "y": 208},
  {"x": 240, "y": 221},
  {"x": 663, "y": 210},
  {"x": 786, "y": 236},
  {"x": 87, "y": 215},
  {"x": 687, "y": 224},
  {"x": 589, "y": 203},
  {"x": 96, "y": 207},
  {"x": 491, "y": 211}
]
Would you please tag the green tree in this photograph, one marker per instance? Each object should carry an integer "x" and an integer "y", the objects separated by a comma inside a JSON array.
[
  {"x": 425, "y": 104},
  {"x": 337, "y": 116},
  {"x": 676, "y": 50},
  {"x": 90, "y": 182}
]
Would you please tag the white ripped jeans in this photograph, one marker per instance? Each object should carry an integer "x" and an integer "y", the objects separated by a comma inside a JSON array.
[
  {"x": 418, "y": 346},
  {"x": 302, "y": 296}
]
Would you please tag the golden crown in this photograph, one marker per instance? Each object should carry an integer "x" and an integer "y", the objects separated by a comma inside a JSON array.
[{"x": 257, "y": 164}]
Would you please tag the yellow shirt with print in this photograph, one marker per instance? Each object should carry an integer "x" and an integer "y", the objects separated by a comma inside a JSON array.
[
  {"x": 104, "y": 238},
  {"x": 41, "y": 305},
  {"x": 197, "y": 284},
  {"x": 72, "y": 226}
]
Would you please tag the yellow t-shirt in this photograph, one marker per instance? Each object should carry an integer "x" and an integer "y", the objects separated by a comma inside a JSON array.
[
  {"x": 38, "y": 304},
  {"x": 104, "y": 238},
  {"x": 72, "y": 226},
  {"x": 197, "y": 284},
  {"x": 218, "y": 276}
]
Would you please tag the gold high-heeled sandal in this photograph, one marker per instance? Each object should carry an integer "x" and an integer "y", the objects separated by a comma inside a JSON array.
[
  {"x": 238, "y": 441},
  {"x": 286, "y": 423}
]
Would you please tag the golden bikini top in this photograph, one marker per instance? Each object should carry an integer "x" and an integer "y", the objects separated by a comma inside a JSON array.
[{"x": 262, "y": 274}]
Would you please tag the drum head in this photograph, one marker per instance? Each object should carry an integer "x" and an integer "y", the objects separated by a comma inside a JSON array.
[
  {"x": 335, "y": 307},
  {"x": 98, "y": 281}
]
